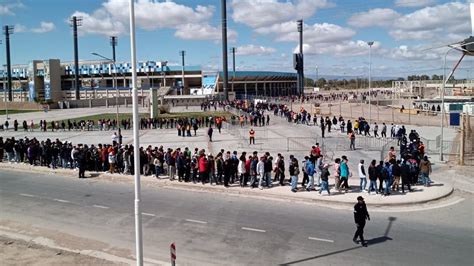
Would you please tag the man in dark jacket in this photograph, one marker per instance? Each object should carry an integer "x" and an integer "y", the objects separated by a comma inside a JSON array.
[
  {"x": 360, "y": 215},
  {"x": 406, "y": 176}
]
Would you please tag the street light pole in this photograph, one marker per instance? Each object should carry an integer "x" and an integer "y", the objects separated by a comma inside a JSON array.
[
  {"x": 113, "y": 43},
  {"x": 136, "y": 143},
  {"x": 114, "y": 84},
  {"x": 370, "y": 80}
]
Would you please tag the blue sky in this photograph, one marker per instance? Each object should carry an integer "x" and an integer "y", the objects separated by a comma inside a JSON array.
[{"x": 264, "y": 32}]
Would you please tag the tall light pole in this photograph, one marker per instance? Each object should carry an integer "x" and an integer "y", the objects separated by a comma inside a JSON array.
[
  {"x": 182, "y": 54},
  {"x": 317, "y": 76},
  {"x": 370, "y": 80},
  {"x": 76, "y": 21},
  {"x": 5, "y": 93},
  {"x": 301, "y": 63},
  {"x": 7, "y": 30},
  {"x": 233, "y": 66},
  {"x": 136, "y": 143},
  {"x": 225, "y": 80},
  {"x": 114, "y": 84}
]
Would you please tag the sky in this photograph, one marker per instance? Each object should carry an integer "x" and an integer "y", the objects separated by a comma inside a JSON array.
[{"x": 409, "y": 35}]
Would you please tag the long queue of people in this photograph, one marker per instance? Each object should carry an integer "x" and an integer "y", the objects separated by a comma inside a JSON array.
[{"x": 225, "y": 168}]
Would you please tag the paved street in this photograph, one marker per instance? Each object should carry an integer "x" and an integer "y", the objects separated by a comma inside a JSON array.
[{"x": 223, "y": 230}]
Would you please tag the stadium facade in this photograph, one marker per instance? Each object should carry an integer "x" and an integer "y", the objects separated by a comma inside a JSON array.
[{"x": 53, "y": 81}]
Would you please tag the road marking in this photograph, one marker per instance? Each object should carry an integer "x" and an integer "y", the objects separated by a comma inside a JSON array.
[
  {"x": 321, "y": 239},
  {"x": 196, "y": 221},
  {"x": 61, "y": 200},
  {"x": 27, "y": 195},
  {"x": 100, "y": 207},
  {"x": 253, "y": 229},
  {"x": 148, "y": 214}
]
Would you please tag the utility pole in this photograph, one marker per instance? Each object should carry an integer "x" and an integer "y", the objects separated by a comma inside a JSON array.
[
  {"x": 7, "y": 30},
  {"x": 225, "y": 82},
  {"x": 301, "y": 63},
  {"x": 233, "y": 66},
  {"x": 76, "y": 21},
  {"x": 182, "y": 54}
]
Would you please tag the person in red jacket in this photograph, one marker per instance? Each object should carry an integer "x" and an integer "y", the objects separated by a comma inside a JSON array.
[{"x": 203, "y": 173}]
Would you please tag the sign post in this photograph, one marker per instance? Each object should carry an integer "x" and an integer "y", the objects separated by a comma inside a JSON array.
[{"x": 173, "y": 254}]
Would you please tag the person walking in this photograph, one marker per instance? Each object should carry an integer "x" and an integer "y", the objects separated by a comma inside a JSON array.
[
  {"x": 337, "y": 174},
  {"x": 252, "y": 136},
  {"x": 396, "y": 172},
  {"x": 310, "y": 172},
  {"x": 384, "y": 130},
  {"x": 376, "y": 130},
  {"x": 425, "y": 171},
  {"x": 373, "y": 177},
  {"x": 325, "y": 179},
  {"x": 362, "y": 176},
  {"x": 294, "y": 172},
  {"x": 344, "y": 172},
  {"x": 209, "y": 133},
  {"x": 406, "y": 176},
  {"x": 360, "y": 216},
  {"x": 352, "y": 137}
]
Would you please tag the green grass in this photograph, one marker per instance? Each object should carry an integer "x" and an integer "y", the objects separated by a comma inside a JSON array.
[
  {"x": 195, "y": 114},
  {"x": 10, "y": 112}
]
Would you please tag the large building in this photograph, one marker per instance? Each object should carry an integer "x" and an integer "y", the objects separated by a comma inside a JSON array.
[{"x": 53, "y": 81}]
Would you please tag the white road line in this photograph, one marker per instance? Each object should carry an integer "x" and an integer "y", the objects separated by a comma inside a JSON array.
[
  {"x": 100, "y": 207},
  {"x": 253, "y": 229},
  {"x": 196, "y": 221},
  {"x": 61, "y": 200},
  {"x": 148, "y": 214},
  {"x": 321, "y": 239},
  {"x": 27, "y": 195}
]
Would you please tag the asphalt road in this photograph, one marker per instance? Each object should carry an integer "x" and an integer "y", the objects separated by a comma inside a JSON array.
[{"x": 215, "y": 229}]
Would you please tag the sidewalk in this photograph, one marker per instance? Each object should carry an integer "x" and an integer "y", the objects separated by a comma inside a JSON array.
[{"x": 419, "y": 195}]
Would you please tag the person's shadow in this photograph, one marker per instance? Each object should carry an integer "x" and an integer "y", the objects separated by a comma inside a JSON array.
[{"x": 372, "y": 241}]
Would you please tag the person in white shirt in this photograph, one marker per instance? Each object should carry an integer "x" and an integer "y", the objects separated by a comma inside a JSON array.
[
  {"x": 115, "y": 137},
  {"x": 362, "y": 176}
]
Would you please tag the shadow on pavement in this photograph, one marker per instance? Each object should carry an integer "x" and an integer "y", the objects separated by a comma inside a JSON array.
[{"x": 372, "y": 241}]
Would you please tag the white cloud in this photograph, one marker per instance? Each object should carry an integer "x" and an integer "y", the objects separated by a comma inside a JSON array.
[
  {"x": 374, "y": 17},
  {"x": 100, "y": 22},
  {"x": 19, "y": 28},
  {"x": 5, "y": 10},
  {"x": 447, "y": 22},
  {"x": 316, "y": 33},
  {"x": 404, "y": 52},
  {"x": 434, "y": 23},
  {"x": 203, "y": 32},
  {"x": 346, "y": 48},
  {"x": 153, "y": 15},
  {"x": 413, "y": 3},
  {"x": 190, "y": 23},
  {"x": 263, "y": 13},
  {"x": 44, "y": 27},
  {"x": 255, "y": 50}
]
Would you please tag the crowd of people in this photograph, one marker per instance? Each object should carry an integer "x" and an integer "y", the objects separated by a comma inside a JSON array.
[{"x": 226, "y": 167}]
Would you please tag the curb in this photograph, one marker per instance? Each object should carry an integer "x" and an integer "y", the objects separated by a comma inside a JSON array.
[{"x": 220, "y": 190}]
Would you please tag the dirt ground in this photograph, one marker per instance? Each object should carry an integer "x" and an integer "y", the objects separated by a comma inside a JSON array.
[{"x": 19, "y": 252}]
